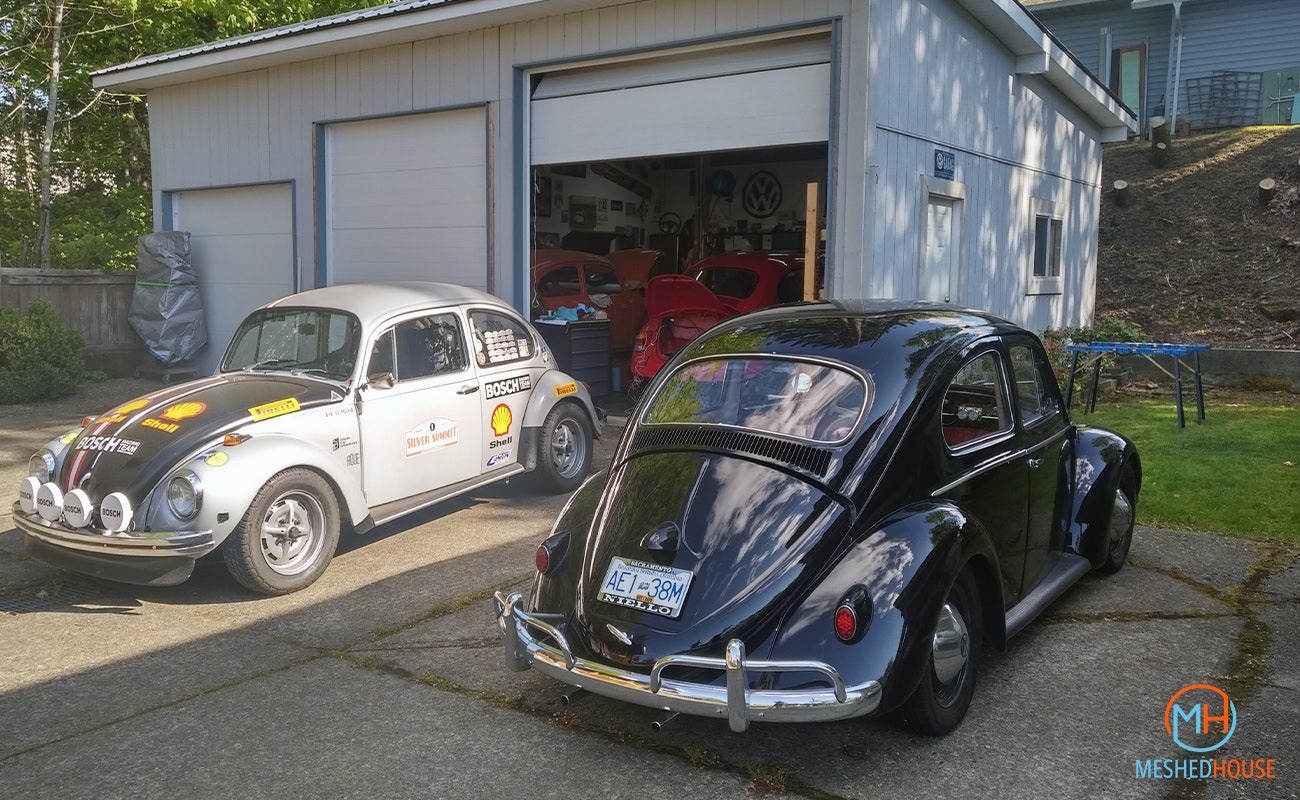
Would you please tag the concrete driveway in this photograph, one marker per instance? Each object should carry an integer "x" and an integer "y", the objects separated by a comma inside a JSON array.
[{"x": 385, "y": 680}]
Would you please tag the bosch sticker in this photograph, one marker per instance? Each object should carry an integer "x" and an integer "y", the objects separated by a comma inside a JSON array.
[
  {"x": 277, "y": 409},
  {"x": 109, "y": 444},
  {"x": 431, "y": 434},
  {"x": 505, "y": 386}
]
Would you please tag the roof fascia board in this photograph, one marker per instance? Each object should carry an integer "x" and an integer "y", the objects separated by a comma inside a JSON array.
[
  {"x": 1051, "y": 5},
  {"x": 315, "y": 39}
]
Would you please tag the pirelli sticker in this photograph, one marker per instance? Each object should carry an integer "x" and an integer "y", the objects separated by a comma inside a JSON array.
[
  {"x": 505, "y": 386},
  {"x": 277, "y": 409},
  {"x": 566, "y": 389}
]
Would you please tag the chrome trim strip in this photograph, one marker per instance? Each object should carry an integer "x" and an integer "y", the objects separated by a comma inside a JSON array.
[
  {"x": 735, "y": 700},
  {"x": 980, "y": 469},
  {"x": 1051, "y": 440},
  {"x": 126, "y": 543}
]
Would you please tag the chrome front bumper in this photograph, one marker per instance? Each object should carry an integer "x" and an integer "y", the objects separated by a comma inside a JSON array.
[
  {"x": 735, "y": 700},
  {"x": 191, "y": 544}
]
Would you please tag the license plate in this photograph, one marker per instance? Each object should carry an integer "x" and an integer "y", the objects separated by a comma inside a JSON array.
[{"x": 647, "y": 587}]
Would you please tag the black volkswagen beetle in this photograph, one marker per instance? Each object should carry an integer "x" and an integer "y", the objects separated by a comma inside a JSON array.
[{"x": 823, "y": 511}]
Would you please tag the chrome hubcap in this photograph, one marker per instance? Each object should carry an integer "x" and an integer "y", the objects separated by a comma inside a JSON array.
[
  {"x": 291, "y": 533},
  {"x": 951, "y": 647},
  {"x": 1121, "y": 518}
]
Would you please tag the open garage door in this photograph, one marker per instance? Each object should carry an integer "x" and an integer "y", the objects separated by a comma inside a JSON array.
[
  {"x": 241, "y": 243},
  {"x": 738, "y": 97},
  {"x": 406, "y": 199}
]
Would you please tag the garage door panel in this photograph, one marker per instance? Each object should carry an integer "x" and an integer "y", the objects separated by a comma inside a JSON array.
[
  {"x": 241, "y": 245},
  {"x": 408, "y": 198},
  {"x": 728, "y": 112}
]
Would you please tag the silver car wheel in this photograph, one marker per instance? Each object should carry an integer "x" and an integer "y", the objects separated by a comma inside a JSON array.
[
  {"x": 951, "y": 645},
  {"x": 291, "y": 532},
  {"x": 568, "y": 448},
  {"x": 1121, "y": 521}
]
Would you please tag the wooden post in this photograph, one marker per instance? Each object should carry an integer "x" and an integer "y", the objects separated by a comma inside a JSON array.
[
  {"x": 1121, "y": 193},
  {"x": 1266, "y": 188},
  {"x": 811, "y": 234},
  {"x": 1160, "y": 154},
  {"x": 1160, "y": 130}
]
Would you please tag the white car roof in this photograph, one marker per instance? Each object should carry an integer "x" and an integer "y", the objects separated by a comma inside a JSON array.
[{"x": 373, "y": 301}]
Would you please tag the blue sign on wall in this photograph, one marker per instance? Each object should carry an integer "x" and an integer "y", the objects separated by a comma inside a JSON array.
[{"x": 945, "y": 164}]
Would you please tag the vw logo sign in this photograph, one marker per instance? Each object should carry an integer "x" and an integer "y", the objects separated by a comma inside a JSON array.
[{"x": 762, "y": 195}]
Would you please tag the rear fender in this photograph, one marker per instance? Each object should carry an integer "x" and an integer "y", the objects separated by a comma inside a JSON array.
[
  {"x": 906, "y": 562},
  {"x": 555, "y": 593},
  {"x": 1100, "y": 458}
]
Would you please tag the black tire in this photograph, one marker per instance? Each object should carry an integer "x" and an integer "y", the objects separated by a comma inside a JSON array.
[
  {"x": 940, "y": 700},
  {"x": 564, "y": 449},
  {"x": 288, "y": 535},
  {"x": 1119, "y": 528}
]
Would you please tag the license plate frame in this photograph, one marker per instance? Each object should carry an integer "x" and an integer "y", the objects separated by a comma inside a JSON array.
[{"x": 644, "y": 586}]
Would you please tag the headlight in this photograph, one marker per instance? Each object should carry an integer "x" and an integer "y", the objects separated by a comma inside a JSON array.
[
  {"x": 41, "y": 466},
  {"x": 185, "y": 495}
]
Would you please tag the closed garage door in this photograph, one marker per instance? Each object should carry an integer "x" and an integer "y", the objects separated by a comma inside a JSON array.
[
  {"x": 407, "y": 199},
  {"x": 241, "y": 243},
  {"x": 728, "y": 98}
]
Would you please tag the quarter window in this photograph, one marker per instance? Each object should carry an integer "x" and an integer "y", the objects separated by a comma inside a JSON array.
[
  {"x": 1034, "y": 398},
  {"x": 499, "y": 339},
  {"x": 974, "y": 406}
]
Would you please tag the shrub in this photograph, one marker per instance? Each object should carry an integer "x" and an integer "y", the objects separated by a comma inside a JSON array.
[
  {"x": 1112, "y": 329},
  {"x": 40, "y": 357}
]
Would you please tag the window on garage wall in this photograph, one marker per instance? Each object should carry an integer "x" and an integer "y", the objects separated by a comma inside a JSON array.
[{"x": 1045, "y": 269}]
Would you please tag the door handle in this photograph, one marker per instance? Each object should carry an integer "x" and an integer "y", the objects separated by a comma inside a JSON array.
[
  {"x": 1035, "y": 463},
  {"x": 469, "y": 388}
]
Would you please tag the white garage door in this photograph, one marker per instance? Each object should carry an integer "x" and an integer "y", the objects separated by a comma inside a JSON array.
[
  {"x": 407, "y": 199},
  {"x": 731, "y": 98},
  {"x": 241, "y": 243}
]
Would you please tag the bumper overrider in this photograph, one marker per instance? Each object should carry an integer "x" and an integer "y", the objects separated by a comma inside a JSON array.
[
  {"x": 734, "y": 700},
  {"x": 157, "y": 558}
]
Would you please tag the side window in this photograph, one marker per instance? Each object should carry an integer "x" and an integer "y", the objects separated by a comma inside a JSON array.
[
  {"x": 601, "y": 279},
  {"x": 561, "y": 282},
  {"x": 418, "y": 348},
  {"x": 1034, "y": 397},
  {"x": 499, "y": 339},
  {"x": 975, "y": 405}
]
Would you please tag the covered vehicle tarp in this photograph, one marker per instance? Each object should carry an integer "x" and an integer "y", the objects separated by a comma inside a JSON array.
[{"x": 166, "y": 310}]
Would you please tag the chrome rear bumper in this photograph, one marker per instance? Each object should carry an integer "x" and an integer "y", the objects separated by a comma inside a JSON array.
[{"x": 734, "y": 700}]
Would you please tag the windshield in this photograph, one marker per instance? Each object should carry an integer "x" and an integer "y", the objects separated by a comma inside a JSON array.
[
  {"x": 315, "y": 341},
  {"x": 803, "y": 399}
]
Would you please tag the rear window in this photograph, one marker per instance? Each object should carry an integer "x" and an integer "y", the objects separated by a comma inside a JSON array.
[
  {"x": 728, "y": 281},
  {"x": 801, "y": 399}
]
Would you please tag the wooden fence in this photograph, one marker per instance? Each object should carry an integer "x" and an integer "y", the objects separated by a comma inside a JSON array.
[{"x": 93, "y": 302}]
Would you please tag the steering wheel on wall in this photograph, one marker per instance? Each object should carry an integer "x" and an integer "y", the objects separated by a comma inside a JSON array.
[{"x": 670, "y": 222}]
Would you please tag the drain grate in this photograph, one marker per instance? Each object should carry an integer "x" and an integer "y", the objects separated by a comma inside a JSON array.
[{"x": 45, "y": 599}]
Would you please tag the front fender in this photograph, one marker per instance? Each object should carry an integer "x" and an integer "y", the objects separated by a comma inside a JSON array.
[
  {"x": 553, "y": 388},
  {"x": 1100, "y": 458},
  {"x": 232, "y": 475},
  {"x": 906, "y": 562}
]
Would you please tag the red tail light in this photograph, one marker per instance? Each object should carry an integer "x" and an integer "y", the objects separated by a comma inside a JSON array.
[
  {"x": 853, "y": 614},
  {"x": 846, "y": 623},
  {"x": 639, "y": 344},
  {"x": 551, "y": 553}
]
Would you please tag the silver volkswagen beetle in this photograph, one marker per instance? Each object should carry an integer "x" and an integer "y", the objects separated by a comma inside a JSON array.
[{"x": 350, "y": 404}]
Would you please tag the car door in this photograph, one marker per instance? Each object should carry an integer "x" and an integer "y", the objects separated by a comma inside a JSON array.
[
  {"x": 420, "y": 409},
  {"x": 505, "y": 357},
  {"x": 986, "y": 468},
  {"x": 1044, "y": 434}
]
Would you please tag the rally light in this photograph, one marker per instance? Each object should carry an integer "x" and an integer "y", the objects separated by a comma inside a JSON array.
[
  {"x": 115, "y": 512},
  {"x": 853, "y": 615},
  {"x": 551, "y": 553},
  {"x": 27, "y": 494},
  {"x": 49, "y": 502},
  {"x": 77, "y": 508}
]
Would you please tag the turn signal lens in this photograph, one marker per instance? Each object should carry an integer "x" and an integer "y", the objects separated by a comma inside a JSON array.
[{"x": 233, "y": 439}]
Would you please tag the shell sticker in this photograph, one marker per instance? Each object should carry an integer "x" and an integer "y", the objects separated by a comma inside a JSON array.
[
  {"x": 501, "y": 419},
  {"x": 277, "y": 409},
  {"x": 182, "y": 411},
  {"x": 119, "y": 414},
  {"x": 566, "y": 389}
]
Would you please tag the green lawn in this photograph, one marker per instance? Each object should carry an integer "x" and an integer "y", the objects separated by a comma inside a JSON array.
[{"x": 1235, "y": 473}]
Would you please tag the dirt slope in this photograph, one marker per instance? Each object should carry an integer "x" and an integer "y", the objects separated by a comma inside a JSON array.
[{"x": 1193, "y": 257}]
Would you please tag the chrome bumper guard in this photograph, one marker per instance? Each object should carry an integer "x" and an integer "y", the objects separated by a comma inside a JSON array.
[
  {"x": 735, "y": 701},
  {"x": 126, "y": 543}
]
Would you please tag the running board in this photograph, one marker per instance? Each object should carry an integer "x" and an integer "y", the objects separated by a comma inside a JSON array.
[
  {"x": 1063, "y": 574},
  {"x": 400, "y": 508}
]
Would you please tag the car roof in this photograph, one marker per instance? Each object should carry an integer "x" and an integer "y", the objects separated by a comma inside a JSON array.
[
  {"x": 372, "y": 301},
  {"x": 863, "y": 333},
  {"x": 544, "y": 259},
  {"x": 779, "y": 263}
]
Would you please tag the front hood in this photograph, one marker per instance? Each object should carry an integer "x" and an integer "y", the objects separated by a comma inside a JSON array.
[
  {"x": 132, "y": 447},
  {"x": 752, "y": 536}
]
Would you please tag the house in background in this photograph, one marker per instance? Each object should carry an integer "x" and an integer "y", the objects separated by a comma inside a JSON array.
[
  {"x": 1205, "y": 64},
  {"x": 948, "y": 149}
]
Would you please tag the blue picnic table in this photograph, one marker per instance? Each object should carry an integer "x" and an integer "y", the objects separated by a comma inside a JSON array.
[{"x": 1148, "y": 350}]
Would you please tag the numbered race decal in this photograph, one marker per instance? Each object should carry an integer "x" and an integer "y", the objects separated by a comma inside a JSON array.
[{"x": 430, "y": 435}]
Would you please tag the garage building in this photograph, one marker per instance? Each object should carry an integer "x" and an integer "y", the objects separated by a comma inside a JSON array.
[{"x": 936, "y": 149}]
